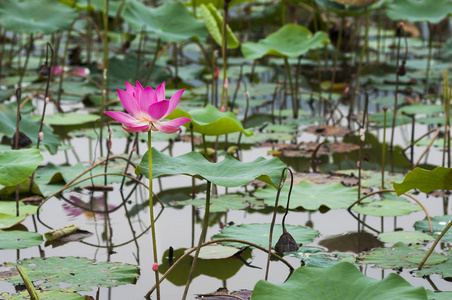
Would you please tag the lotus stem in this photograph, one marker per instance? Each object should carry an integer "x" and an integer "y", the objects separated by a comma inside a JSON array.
[
  {"x": 151, "y": 214},
  {"x": 190, "y": 251},
  {"x": 383, "y": 151},
  {"x": 434, "y": 245},
  {"x": 272, "y": 224},
  {"x": 393, "y": 191},
  {"x": 292, "y": 92},
  {"x": 202, "y": 238}
]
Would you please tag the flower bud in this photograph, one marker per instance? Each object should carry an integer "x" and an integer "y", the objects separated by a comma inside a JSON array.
[
  {"x": 41, "y": 135},
  {"x": 155, "y": 267},
  {"x": 47, "y": 100},
  {"x": 226, "y": 84}
]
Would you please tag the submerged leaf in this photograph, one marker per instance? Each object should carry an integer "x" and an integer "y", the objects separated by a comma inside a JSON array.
[{"x": 438, "y": 223}]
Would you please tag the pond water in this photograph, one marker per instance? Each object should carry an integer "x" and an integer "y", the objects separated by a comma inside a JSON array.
[{"x": 371, "y": 69}]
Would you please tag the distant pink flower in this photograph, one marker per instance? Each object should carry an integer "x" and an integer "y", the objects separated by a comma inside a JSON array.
[
  {"x": 57, "y": 70},
  {"x": 79, "y": 71},
  {"x": 147, "y": 107}
]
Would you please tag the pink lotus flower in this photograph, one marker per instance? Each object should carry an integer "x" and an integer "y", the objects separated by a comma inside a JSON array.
[{"x": 147, "y": 107}]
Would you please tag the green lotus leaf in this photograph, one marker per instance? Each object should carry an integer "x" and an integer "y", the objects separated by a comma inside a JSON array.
[
  {"x": 18, "y": 165},
  {"x": 437, "y": 295},
  {"x": 433, "y": 120},
  {"x": 29, "y": 127},
  {"x": 16, "y": 239},
  {"x": 419, "y": 10},
  {"x": 259, "y": 234},
  {"x": 216, "y": 252},
  {"x": 214, "y": 24},
  {"x": 222, "y": 269},
  {"x": 210, "y": 121},
  {"x": 70, "y": 119},
  {"x": 312, "y": 257},
  {"x": 8, "y": 216},
  {"x": 407, "y": 237},
  {"x": 438, "y": 224},
  {"x": 171, "y": 22},
  {"x": 229, "y": 172},
  {"x": 77, "y": 273},
  {"x": 223, "y": 203},
  {"x": 346, "y": 10},
  {"x": 311, "y": 196},
  {"x": 387, "y": 208},
  {"x": 379, "y": 119},
  {"x": 45, "y": 295},
  {"x": 421, "y": 109},
  {"x": 400, "y": 256},
  {"x": 444, "y": 269},
  {"x": 426, "y": 181},
  {"x": 341, "y": 281},
  {"x": 44, "y": 16},
  {"x": 289, "y": 41}
]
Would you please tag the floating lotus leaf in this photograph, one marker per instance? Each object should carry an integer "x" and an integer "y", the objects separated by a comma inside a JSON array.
[
  {"x": 18, "y": 165},
  {"x": 259, "y": 234},
  {"x": 217, "y": 252},
  {"x": 419, "y": 10},
  {"x": 216, "y": 268},
  {"x": 387, "y": 208},
  {"x": 289, "y": 41},
  {"x": 229, "y": 172},
  {"x": 408, "y": 237},
  {"x": 438, "y": 223},
  {"x": 400, "y": 256},
  {"x": 171, "y": 22},
  {"x": 379, "y": 119},
  {"x": 16, "y": 239},
  {"x": 223, "y": 203},
  {"x": 312, "y": 258},
  {"x": 426, "y": 181},
  {"x": 433, "y": 120},
  {"x": 340, "y": 281},
  {"x": 439, "y": 295},
  {"x": 421, "y": 109},
  {"x": 44, "y": 16},
  {"x": 29, "y": 127},
  {"x": 444, "y": 269},
  {"x": 8, "y": 216},
  {"x": 214, "y": 24},
  {"x": 210, "y": 121},
  {"x": 77, "y": 273},
  {"x": 70, "y": 119},
  {"x": 311, "y": 197},
  {"x": 45, "y": 295}
]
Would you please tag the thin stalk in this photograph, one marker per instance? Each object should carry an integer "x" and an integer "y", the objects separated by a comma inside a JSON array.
[
  {"x": 104, "y": 99},
  {"x": 385, "y": 109},
  {"x": 176, "y": 65},
  {"x": 396, "y": 97},
  {"x": 358, "y": 73},
  {"x": 434, "y": 245},
  {"x": 427, "y": 72},
  {"x": 46, "y": 100},
  {"x": 16, "y": 142},
  {"x": 202, "y": 237},
  {"x": 272, "y": 224},
  {"x": 151, "y": 67},
  {"x": 30, "y": 45},
  {"x": 224, "y": 47},
  {"x": 151, "y": 214},
  {"x": 336, "y": 55},
  {"x": 294, "y": 101}
]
